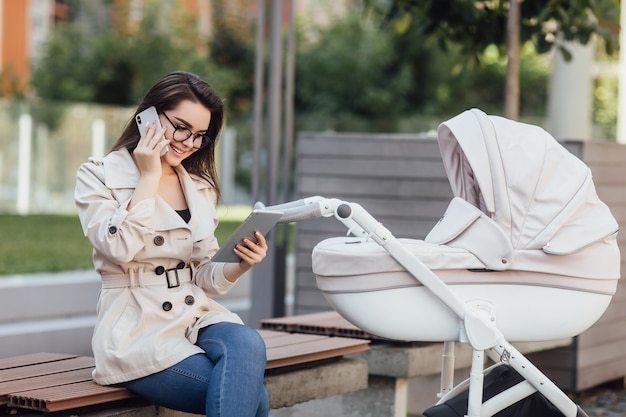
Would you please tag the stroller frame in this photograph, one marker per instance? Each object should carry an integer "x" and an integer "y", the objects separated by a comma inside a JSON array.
[{"x": 476, "y": 324}]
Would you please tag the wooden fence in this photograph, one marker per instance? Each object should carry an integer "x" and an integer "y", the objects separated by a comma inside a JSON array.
[
  {"x": 399, "y": 179},
  {"x": 599, "y": 354}
]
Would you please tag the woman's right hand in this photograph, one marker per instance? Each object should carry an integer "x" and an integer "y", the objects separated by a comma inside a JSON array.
[{"x": 147, "y": 154}]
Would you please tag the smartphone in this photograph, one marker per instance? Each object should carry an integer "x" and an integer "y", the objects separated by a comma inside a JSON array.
[{"x": 147, "y": 117}]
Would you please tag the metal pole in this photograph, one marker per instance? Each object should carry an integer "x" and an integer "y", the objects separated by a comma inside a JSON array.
[
  {"x": 264, "y": 297},
  {"x": 289, "y": 94},
  {"x": 274, "y": 98},
  {"x": 280, "y": 280},
  {"x": 258, "y": 98},
  {"x": 280, "y": 269}
]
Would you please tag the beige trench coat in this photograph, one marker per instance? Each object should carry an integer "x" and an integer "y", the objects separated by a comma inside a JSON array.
[{"x": 157, "y": 274}]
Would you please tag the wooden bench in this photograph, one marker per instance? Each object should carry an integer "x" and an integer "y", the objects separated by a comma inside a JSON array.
[{"x": 300, "y": 368}]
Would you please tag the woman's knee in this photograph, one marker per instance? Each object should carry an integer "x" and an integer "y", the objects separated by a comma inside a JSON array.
[
  {"x": 253, "y": 340},
  {"x": 234, "y": 335}
]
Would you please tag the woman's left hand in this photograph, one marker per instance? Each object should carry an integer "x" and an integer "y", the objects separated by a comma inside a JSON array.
[{"x": 251, "y": 253}]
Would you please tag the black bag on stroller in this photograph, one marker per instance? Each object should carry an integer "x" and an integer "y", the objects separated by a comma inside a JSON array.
[{"x": 498, "y": 380}]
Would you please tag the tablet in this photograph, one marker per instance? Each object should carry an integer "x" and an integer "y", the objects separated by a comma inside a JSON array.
[{"x": 261, "y": 220}]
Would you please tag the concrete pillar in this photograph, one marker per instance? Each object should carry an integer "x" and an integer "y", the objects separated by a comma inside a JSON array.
[
  {"x": 570, "y": 102},
  {"x": 621, "y": 104}
]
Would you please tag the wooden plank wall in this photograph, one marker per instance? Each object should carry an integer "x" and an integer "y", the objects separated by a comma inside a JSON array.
[
  {"x": 598, "y": 355},
  {"x": 601, "y": 350},
  {"x": 401, "y": 181}
]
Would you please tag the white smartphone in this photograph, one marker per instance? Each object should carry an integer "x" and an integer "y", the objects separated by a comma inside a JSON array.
[
  {"x": 259, "y": 220},
  {"x": 147, "y": 117}
]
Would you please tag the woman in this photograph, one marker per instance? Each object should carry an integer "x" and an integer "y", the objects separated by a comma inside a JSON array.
[{"x": 151, "y": 220}]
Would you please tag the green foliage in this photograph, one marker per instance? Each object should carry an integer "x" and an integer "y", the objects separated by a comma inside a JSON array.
[
  {"x": 356, "y": 76},
  {"x": 477, "y": 24},
  {"x": 350, "y": 75},
  {"x": 62, "y": 72},
  {"x": 544, "y": 22},
  {"x": 605, "y": 105},
  {"x": 483, "y": 85},
  {"x": 79, "y": 64},
  {"x": 112, "y": 69},
  {"x": 233, "y": 50},
  {"x": 351, "y": 72}
]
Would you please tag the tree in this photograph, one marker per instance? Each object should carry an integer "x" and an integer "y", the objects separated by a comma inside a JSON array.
[
  {"x": 79, "y": 63},
  {"x": 348, "y": 72},
  {"x": 476, "y": 24}
]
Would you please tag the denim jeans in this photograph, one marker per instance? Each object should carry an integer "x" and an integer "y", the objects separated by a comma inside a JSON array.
[{"x": 226, "y": 381}]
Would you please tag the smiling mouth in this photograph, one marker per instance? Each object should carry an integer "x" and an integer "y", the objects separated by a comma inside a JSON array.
[{"x": 177, "y": 150}]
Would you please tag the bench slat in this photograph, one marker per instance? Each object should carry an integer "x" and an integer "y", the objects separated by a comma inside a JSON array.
[
  {"x": 328, "y": 323},
  {"x": 313, "y": 351},
  {"x": 33, "y": 359},
  {"x": 27, "y": 384},
  {"x": 326, "y": 316},
  {"x": 47, "y": 368},
  {"x": 285, "y": 339},
  {"x": 68, "y": 396}
]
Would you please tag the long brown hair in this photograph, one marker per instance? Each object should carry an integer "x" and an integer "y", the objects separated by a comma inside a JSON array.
[{"x": 165, "y": 95}]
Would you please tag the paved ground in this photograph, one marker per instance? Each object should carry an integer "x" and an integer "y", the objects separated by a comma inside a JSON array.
[{"x": 604, "y": 402}]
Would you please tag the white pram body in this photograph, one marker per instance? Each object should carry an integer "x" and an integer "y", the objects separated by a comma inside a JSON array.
[
  {"x": 526, "y": 251},
  {"x": 376, "y": 294}
]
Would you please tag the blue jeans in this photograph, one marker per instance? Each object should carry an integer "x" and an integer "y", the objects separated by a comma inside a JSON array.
[{"x": 226, "y": 381}]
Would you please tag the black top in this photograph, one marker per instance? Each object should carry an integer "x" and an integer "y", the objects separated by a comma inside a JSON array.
[{"x": 185, "y": 214}]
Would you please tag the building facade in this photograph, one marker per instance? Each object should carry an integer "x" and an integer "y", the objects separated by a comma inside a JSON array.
[{"x": 24, "y": 27}]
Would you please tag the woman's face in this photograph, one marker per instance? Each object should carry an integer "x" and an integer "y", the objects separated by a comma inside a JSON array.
[{"x": 188, "y": 115}]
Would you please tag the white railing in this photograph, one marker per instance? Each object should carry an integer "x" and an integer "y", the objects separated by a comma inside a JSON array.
[{"x": 42, "y": 146}]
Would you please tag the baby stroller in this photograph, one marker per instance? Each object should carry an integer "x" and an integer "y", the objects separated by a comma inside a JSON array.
[{"x": 524, "y": 252}]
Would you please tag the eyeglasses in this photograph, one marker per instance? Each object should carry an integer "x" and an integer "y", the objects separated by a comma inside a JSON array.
[{"x": 181, "y": 134}]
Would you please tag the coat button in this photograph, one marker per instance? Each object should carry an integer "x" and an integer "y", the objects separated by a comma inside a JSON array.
[
  {"x": 167, "y": 306},
  {"x": 158, "y": 240},
  {"x": 159, "y": 270},
  {"x": 112, "y": 230},
  {"x": 189, "y": 300},
  {"x": 180, "y": 265}
]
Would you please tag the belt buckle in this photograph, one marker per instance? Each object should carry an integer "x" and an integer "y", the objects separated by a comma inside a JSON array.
[{"x": 167, "y": 278}]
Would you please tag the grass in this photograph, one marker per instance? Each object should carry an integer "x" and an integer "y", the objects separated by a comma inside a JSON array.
[{"x": 50, "y": 243}]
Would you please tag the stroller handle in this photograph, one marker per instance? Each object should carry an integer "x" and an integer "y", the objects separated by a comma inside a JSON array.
[
  {"x": 315, "y": 207},
  {"x": 295, "y": 211}
]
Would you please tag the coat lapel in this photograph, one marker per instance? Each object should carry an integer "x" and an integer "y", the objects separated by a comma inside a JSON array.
[
  {"x": 121, "y": 172},
  {"x": 202, "y": 208}
]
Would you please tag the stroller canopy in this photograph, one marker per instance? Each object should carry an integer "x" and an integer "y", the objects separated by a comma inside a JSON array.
[{"x": 539, "y": 194}]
